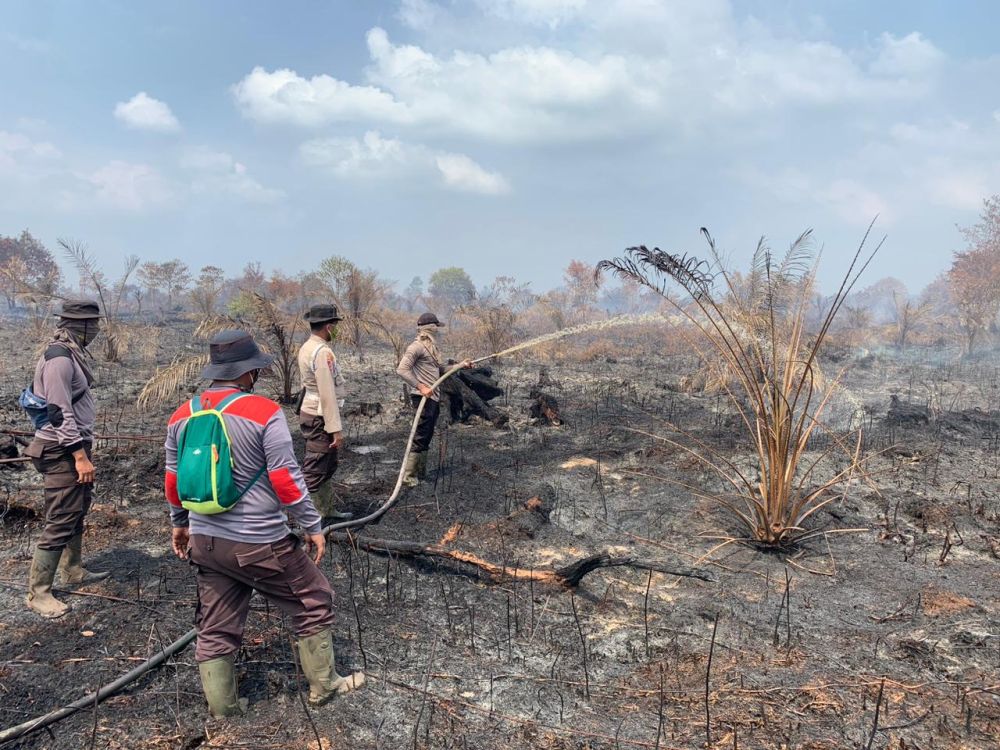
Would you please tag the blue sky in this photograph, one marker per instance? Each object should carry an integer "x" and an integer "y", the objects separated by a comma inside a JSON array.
[{"x": 504, "y": 136}]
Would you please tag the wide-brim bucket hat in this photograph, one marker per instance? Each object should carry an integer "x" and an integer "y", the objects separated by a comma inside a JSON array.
[
  {"x": 80, "y": 309},
  {"x": 322, "y": 314},
  {"x": 233, "y": 353}
]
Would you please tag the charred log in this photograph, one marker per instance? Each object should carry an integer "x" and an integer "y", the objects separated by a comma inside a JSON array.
[
  {"x": 544, "y": 408},
  {"x": 568, "y": 576},
  {"x": 467, "y": 394}
]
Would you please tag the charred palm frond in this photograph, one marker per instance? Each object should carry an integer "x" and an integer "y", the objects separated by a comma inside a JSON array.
[
  {"x": 214, "y": 324},
  {"x": 754, "y": 328},
  {"x": 167, "y": 380},
  {"x": 278, "y": 331},
  {"x": 656, "y": 268}
]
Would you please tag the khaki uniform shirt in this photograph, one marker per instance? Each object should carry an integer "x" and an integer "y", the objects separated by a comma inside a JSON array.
[
  {"x": 320, "y": 376},
  {"x": 418, "y": 367}
]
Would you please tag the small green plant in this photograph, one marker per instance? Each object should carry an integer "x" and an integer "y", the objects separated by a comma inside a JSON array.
[{"x": 752, "y": 329}]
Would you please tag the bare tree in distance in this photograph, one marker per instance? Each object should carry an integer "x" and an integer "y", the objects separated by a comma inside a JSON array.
[
  {"x": 356, "y": 292},
  {"x": 974, "y": 277},
  {"x": 206, "y": 291}
]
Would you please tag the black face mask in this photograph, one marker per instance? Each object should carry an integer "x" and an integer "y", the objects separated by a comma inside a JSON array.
[
  {"x": 84, "y": 331},
  {"x": 254, "y": 377},
  {"x": 91, "y": 329}
]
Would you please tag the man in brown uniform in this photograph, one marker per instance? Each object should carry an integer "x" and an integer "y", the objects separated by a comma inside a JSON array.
[
  {"x": 61, "y": 451},
  {"x": 420, "y": 367},
  {"x": 249, "y": 546},
  {"x": 319, "y": 416}
]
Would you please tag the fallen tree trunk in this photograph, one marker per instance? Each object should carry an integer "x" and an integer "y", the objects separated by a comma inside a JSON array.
[{"x": 568, "y": 576}]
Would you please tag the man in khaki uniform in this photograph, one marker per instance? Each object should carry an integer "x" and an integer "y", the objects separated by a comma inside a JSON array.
[
  {"x": 420, "y": 367},
  {"x": 61, "y": 451},
  {"x": 319, "y": 416}
]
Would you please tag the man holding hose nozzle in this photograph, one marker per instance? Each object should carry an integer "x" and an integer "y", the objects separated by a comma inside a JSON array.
[
  {"x": 231, "y": 476},
  {"x": 420, "y": 367}
]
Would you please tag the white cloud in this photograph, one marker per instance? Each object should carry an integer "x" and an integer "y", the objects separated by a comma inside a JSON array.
[
  {"x": 218, "y": 173},
  {"x": 461, "y": 173},
  {"x": 855, "y": 203},
  {"x": 419, "y": 14},
  {"x": 705, "y": 67},
  {"x": 545, "y": 12},
  {"x": 16, "y": 145},
  {"x": 284, "y": 96},
  {"x": 129, "y": 187},
  {"x": 375, "y": 157},
  {"x": 369, "y": 157},
  {"x": 906, "y": 56},
  {"x": 963, "y": 190},
  {"x": 143, "y": 112}
]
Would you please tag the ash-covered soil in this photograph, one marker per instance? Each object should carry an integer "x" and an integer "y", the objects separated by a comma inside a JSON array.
[{"x": 894, "y": 610}]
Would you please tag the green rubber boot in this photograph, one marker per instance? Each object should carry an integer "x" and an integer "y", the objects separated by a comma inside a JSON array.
[
  {"x": 71, "y": 570},
  {"x": 421, "y": 467},
  {"x": 410, "y": 478},
  {"x": 43, "y": 571},
  {"x": 319, "y": 667},
  {"x": 326, "y": 504},
  {"x": 218, "y": 680}
]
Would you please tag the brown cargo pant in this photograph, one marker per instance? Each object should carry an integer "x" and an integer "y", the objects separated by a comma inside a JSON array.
[
  {"x": 66, "y": 502},
  {"x": 229, "y": 572},
  {"x": 319, "y": 463}
]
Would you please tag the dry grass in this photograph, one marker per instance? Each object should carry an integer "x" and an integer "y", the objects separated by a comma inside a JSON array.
[{"x": 752, "y": 332}]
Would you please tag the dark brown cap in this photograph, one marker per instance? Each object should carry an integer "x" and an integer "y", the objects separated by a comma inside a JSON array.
[
  {"x": 322, "y": 314},
  {"x": 429, "y": 319}
]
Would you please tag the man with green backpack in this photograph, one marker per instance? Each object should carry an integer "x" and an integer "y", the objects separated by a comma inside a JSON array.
[{"x": 231, "y": 477}]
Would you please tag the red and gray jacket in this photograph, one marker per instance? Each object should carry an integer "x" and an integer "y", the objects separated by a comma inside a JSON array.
[{"x": 259, "y": 437}]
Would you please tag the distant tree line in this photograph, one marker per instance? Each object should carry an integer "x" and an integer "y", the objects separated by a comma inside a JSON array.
[{"x": 960, "y": 307}]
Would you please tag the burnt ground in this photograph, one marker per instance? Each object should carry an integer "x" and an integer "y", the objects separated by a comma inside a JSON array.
[{"x": 894, "y": 610}]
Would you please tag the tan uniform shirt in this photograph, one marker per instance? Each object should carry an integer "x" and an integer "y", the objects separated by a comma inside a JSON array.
[
  {"x": 320, "y": 376},
  {"x": 418, "y": 367}
]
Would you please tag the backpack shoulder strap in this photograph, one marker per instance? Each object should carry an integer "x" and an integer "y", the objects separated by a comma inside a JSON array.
[
  {"x": 316, "y": 351},
  {"x": 56, "y": 350},
  {"x": 229, "y": 400}
]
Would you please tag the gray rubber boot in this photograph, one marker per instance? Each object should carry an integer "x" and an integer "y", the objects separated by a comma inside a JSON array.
[
  {"x": 71, "y": 570},
  {"x": 43, "y": 571},
  {"x": 421, "y": 467},
  {"x": 319, "y": 667},
  {"x": 218, "y": 681},
  {"x": 410, "y": 478}
]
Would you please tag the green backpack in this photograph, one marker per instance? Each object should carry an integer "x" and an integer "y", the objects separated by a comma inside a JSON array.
[{"x": 205, "y": 482}]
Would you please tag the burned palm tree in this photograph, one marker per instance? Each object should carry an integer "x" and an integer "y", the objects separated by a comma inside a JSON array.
[
  {"x": 275, "y": 331},
  {"x": 109, "y": 292},
  {"x": 753, "y": 330}
]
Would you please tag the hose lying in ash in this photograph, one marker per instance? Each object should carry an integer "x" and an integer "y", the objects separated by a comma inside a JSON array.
[{"x": 12, "y": 733}]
